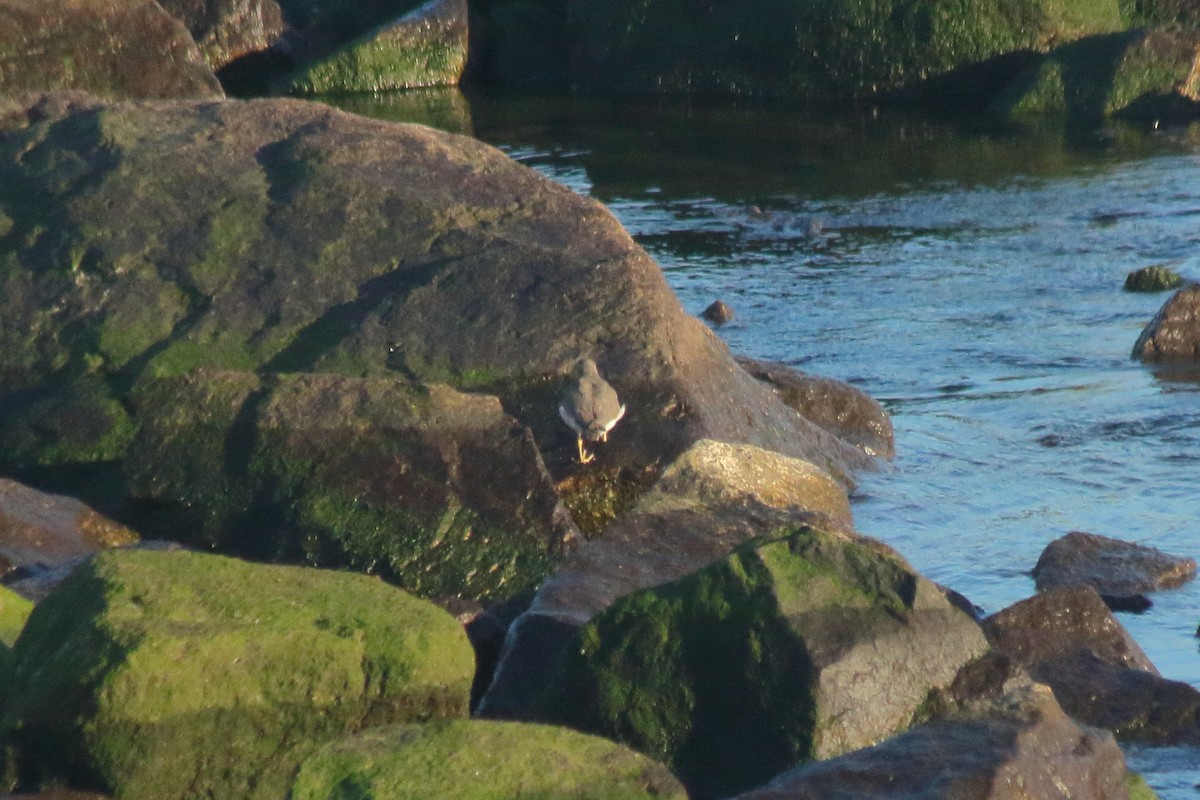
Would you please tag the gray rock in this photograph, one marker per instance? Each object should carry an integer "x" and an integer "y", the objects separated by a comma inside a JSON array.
[
  {"x": 805, "y": 645},
  {"x": 438, "y": 490},
  {"x": 1110, "y": 566},
  {"x": 837, "y": 407},
  {"x": 1023, "y": 746},
  {"x": 1068, "y": 639}
]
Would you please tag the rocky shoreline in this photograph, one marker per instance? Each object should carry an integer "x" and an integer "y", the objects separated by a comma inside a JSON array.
[{"x": 289, "y": 511}]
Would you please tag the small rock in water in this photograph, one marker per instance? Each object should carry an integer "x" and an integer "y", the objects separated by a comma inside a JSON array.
[
  {"x": 718, "y": 313},
  {"x": 1118, "y": 570},
  {"x": 1154, "y": 278}
]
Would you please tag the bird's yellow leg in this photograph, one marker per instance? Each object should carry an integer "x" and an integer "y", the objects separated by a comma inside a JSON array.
[
  {"x": 604, "y": 437},
  {"x": 584, "y": 456}
]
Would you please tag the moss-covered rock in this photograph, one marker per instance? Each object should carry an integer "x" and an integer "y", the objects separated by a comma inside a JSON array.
[
  {"x": 802, "y": 646},
  {"x": 118, "y": 50},
  {"x": 1138, "y": 73},
  {"x": 1154, "y": 278},
  {"x": 480, "y": 760},
  {"x": 438, "y": 490},
  {"x": 176, "y": 674},
  {"x": 427, "y": 47},
  {"x": 825, "y": 48}
]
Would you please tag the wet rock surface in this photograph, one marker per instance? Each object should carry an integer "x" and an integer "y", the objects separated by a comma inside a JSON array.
[
  {"x": 1114, "y": 568},
  {"x": 1068, "y": 639},
  {"x": 1021, "y": 746}
]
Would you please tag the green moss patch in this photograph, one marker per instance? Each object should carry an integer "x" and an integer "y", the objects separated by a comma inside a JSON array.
[
  {"x": 481, "y": 760},
  {"x": 177, "y": 674}
]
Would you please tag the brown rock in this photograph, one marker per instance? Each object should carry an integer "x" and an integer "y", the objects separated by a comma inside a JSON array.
[
  {"x": 839, "y": 408},
  {"x": 112, "y": 48},
  {"x": 718, "y": 312},
  {"x": 46, "y": 531},
  {"x": 1068, "y": 639},
  {"x": 1174, "y": 333},
  {"x": 1110, "y": 566},
  {"x": 226, "y": 30},
  {"x": 1020, "y": 747}
]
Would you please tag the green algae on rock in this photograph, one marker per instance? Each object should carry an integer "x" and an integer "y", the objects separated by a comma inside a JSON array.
[
  {"x": 827, "y": 48},
  {"x": 1154, "y": 278},
  {"x": 1145, "y": 73},
  {"x": 804, "y": 645},
  {"x": 426, "y": 47},
  {"x": 438, "y": 490},
  {"x": 481, "y": 760},
  {"x": 176, "y": 674}
]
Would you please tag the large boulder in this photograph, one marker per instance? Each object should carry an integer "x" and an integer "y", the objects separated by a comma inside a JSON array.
[
  {"x": 481, "y": 760},
  {"x": 176, "y": 674},
  {"x": 112, "y": 48},
  {"x": 1174, "y": 332},
  {"x": 426, "y": 47},
  {"x": 278, "y": 237},
  {"x": 711, "y": 499},
  {"x": 796, "y": 47},
  {"x": 1068, "y": 639},
  {"x": 1139, "y": 73},
  {"x": 805, "y": 645},
  {"x": 1022, "y": 746}
]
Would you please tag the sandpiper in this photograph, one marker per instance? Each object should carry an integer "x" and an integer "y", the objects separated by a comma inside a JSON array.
[{"x": 590, "y": 407}]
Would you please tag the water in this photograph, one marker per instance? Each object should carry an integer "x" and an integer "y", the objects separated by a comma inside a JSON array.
[{"x": 969, "y": 277}]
